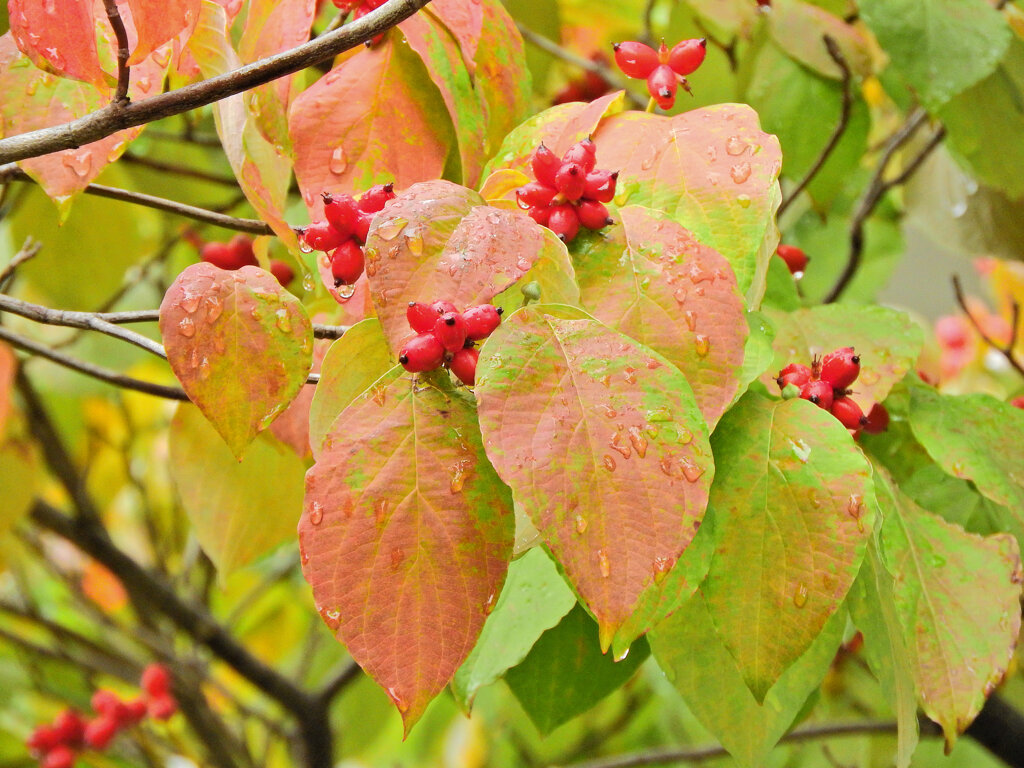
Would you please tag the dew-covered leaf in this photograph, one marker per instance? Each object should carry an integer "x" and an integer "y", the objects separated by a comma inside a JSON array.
[
  {"x": 60, "y": 38},
  {"x": 566, "y": 673},
  {"x": 958, "y": 600},
  {"x": 534, "y": 599},
  {"x": 240, "y": 345},
  {"x": 887, "y": 340},
  {"x": 499, "y": 72},
  {"x": 690, "y": 652},
  {"x": 649, "y": 278},
  {"x": 791, "y": 528},
  {"x": 604, "y": 447},
  {"x": 157, "y": 23},
  {"x": 406, "y": 535},
  {"x": 238, "y": 509},
  {"x": 438, "y": 240}
]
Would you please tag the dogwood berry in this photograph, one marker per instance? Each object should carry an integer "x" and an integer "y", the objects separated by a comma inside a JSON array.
[
  {"x": 481, "y": 321},
  {"x": 877, "y": 419},
  {"x": 450, "y": 330},
  {"x": 463, "y": 365},
  {"x": 422, "y": 317},
  {"x": 849, "y": 413},
  {"x": 840, "y": 368},
  {"x": 818, "y": 392},
  {"x": 347, "y": 263},
  {"x": 423, "y": 352},
  {"x": 664, "y": 70},
  {"x": 794, "y": 257},
  {"x": 794, "y": 373}
]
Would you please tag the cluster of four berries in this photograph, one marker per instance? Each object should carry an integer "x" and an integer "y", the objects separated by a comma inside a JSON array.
[
  {"x": 445, "y": 336},
  {"x": 237, "y": 253}
]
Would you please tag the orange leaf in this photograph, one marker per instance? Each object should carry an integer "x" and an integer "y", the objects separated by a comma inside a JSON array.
[
  {"x": 156, "y": 23},
  {"x": 59, "y": 37}
]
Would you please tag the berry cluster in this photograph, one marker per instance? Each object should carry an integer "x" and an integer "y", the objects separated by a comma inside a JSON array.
[
  {"x": 568, "y": 192},
  {"x": 825, "y": 383},
  {"x": 663, "y": 69},
  {"x": 445, "y": 336},
  {"x": 358, "y": 9},
  {"x": 795, "y": 259},
  {"x": 57, "y": 744},
  {"x": 238, "y": 253},
  {"x": 344, "y": 230}
]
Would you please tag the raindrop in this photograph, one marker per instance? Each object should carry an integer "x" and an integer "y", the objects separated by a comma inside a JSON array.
[
  {"x": 639, "y": 441},
  {"x": 691, "y": 471},
  {"x": 603, "y": 564},
  {"x": 702, "y": 344},
  {"x": 304, "y": 246},
  {"x": 187, "y": 328},
  {"x": 402, "y": 704},
  {"x": 489, "y": 603},
  {"x": 712, "y": 153},
  {"x": 617, "y": 444},
  {"x": 853, "y": 507},
  {"x": 371, "y": 268},
  {"x": 630, "y": 374},
  {"x": 735, "y": 146},
  {"x": 284, "y": 320},
  {"x": 308, "y": 285},
  {"x": 256, "y": 313},
  {"x": 190, "y": 302},
  {"x": 379, "y": 395},
  {"x": 659, "y": 414},
  {"x": 691, "y": 319},
  {"x": 622, "y": 656},
  {"x": 80, "y": 163},
  {"x": 345, "y": 292},
  {"x": 740, "y": 172},
  {"x": 800, "y": 596},
  {"x": 316, "y": 513},
  {"x": 610, "y": 412},
  {"x": 390, "y": 229},
  {"x": 214, "y": 306},
  {"x": 581, "y": 523},
  {"x": 380, "y": 510},
  {"x": 332, "y": 617},
  {"x": 204, "y": 369},
  {"x": 459, "y": 472},
  {"x": 609, "y": 463},
  {"x": 338, "y": 162},
  {"x": 668, "y": 465},
  {"x": 743, "y": 200},
  {"x": 414, "y": 241}
]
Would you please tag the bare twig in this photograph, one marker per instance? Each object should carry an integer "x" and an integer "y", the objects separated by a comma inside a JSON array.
[
  {"x": 123, "y": 72},
  {"x": 11, "y": 172},
  {"x": 1006, "y": 350},
  {"x": 27, "y": 251},
  {"x": 837, "y": 131},
  {"x": 877, "y": 189},
  {"x": 113, "y": 118}
]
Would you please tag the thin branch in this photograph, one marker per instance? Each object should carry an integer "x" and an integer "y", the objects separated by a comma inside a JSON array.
[
  {"x": 1006, "y": 350},
  {"x": 837, "y": 132},
  {"x": 179, "y": 170},
  {"x": 11, "y": 172},
  {"x": 113, "y": 118},
  {"x": 123, "y": 52},
  {"x": 200, "y": 140},
  {"x": 28, "y": 251},
  {"x": 553, "y": 48},
  {"x": 95, "y": 371},
  {"x": 877, "y": 189}
]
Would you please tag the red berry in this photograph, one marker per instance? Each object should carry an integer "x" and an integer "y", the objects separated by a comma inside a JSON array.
[
  {"x": 59, "y": 757},
  {"x": 450, "y": 330},
  {"x": 662, "y": 85},
  {"x": 422, "y": 317},
  {"x": 1018, "y": 402},
  {"x": 423, "y": 352},
  {"x": 570, "y": 180},
  {"x": 540, "y": 215},
  {"x": 362, "y": 228},
  {"x": 43, "y": 739},
  {"x": 217, "y": 254},
  {"x": 341, "y": 211},
  {"x": 877, "y": 419},
  {"x": 134, "y": 711},
  {"x": 321, "y": 236},
  {"x": 686, "y": 56},
  {"x": 794, "y": 257},
  {"x": 840, "y": 368},
  {"x": 105, "y": 702},
  {"x": 600, "y": 186},
  {"x": 794, "y": 373},
  {"x": 818, "y": 392},
  {"x": 481, "y": 321},
  {"x": 156, "y": 680},
  {"x": 376, "y": 197},
  {"x": 848, "y": 412},
  {"x": 441, "y": 306},
  {"x": 282, "y": 272},
  {"x": 70, "y": 727},
  {"x": 463, "y": 365},
  {"x": 545, "y": 165},
  {"x": 163, "y": 708},
  {"x": 242, "y": 252},
  {"x": 593, "y": 215},
  {"x": 347, "y": 263},
  {"x": 564, "y": 222},
  {"x": 534, "y": 194},
  {"x": 583, "y": 153},
  {"x": 635, "y": 59},
  {"x": 101, "y": 731}
]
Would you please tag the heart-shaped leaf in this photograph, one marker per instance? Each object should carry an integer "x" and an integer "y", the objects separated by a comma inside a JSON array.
[
  {"x": 604, "y": 447},
  {"x": 406, "y": 535},
  {"x": 791, "y": 526},
  {"x": 240, "y": 345},
  {"x": 650, "y": 279}
]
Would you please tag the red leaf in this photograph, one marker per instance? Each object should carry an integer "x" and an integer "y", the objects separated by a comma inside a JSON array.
[
  {"x": 240, "y": 345},
  {"x": 8, "y": 366},
  {"x": 406, "y": 535},
  {"x": 156, "y": 23},
  {"x": 463, "y": 20},
  {"x": 58, "y": 36}
]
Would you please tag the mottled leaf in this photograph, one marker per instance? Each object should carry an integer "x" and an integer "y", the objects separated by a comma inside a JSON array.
[
  {"x": 438, "y": 240},
  {"x": 342, "y": 381},
  {"x": 156, "y": 23},
  {"x": 713, "y": 170},
  {"x": 60, "y": 38},
  {"x": 690, "y": 652},
  {"x": 566, "y": 673},
  {"x": 648, "y": 278},
  {"x": 238, "y": 509},
  {"x": 463, "y": 21},
  {"x": 240, "y": 345},
  {"x": 534, "y": 599},
  {"x": 499, "y": 72},
  {"x": 406, "y": 535},
  {"x": 799, "y": 27},
  {"x": 887, "y": 340},
  {"x": 604, "y": 447},
  {"x": 791, "y": 527},
  {"x": 957, "y": 596},
  {"x": 923, "y": 37}
]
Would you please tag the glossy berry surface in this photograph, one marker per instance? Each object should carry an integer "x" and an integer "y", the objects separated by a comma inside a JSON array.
[
  {"x": 564, "y": 222},
  {"x": 450, "y": 330},
  {"x": 570, "y": 181},
  {"x": 592, "y": 214},
  {"x": 818, "y": 392},
  {"x": 545, "y": 165},
  {"x": 463, "y": 365},
  {"x": 443, "y": 305},
  {"x": 321, "y": 236},
  {"x": 534, "y": 194},
  {"x": 795, "y": 258},
  {"x": 794, "y": 373},
  {"x": 162, "y": 708},
  {"x": 582, "y": 153},
  {"x": 662, "y": 84},
  {"x": 600, "y": 186},
  {"x": 347, "y": 262},
  {"x": 376, "y": 197},
  {"x": 481, "y": 321},
  {"x": 341, "y": 212},
  {"x": 59, "y": 757},
  {"x": 848, "y": 412},
  {"x": 840, "y": 368},
  {"x": 877, "y": 420},
  {"x": 423, "y": 352},
  {"x": 636, "y": 60},
  {"x": 687, "y": 56},
  {"x": 422, "y": 317}
]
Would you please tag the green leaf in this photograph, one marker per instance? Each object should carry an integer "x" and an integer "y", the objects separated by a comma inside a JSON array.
[
  {"x": 888, "y": 342},
  {"x": 239, "y": 509},
  {"x": 957, "y": 596},
  {"x": 602, "y": 443},
  {"x": 791, "y": 529},
  {"x": 406, "y": 535},
  {"x": 798, "y": 29},
  {"x": 240, "y": 345},
  {"x": 341, "y": 382},
  {"x": 649, "y": 278},
  {"x": 534, "y": 599},
  {"x": 757, "y": 352},
  {"x": 19, "y": 477},
  {"x": 566, "y": 674},
  {"x": 690, "y": 652},
  {"x": 938, "y": 47}
]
